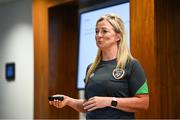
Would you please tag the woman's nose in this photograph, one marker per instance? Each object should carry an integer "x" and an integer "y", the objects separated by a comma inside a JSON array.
[{"x": 99, "y": 34}]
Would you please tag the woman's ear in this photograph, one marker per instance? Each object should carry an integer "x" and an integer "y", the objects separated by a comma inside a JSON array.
[{"x": 118, "y": 35}]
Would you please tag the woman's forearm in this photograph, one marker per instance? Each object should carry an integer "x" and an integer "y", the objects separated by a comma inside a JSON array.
[
  {"x": 133, "y": 104},
  {"x": 76, "y": 104}
]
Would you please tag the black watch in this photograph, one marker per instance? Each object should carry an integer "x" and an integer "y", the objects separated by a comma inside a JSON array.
[{"x": 114, "y": 102}]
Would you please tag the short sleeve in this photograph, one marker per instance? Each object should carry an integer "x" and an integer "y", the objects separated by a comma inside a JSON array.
[
  {"x": 87, "y": 71},
  {"x": 137, "y": 80}
]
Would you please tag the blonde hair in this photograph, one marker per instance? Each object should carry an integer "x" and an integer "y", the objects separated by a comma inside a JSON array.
[{"x": 123, "y": 54}]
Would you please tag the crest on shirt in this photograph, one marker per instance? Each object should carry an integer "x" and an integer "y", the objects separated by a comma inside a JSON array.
[{"x": 118, "y": 73}]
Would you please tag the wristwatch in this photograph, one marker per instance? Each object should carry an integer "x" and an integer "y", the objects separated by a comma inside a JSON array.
[{"x": 114, "y": 102}]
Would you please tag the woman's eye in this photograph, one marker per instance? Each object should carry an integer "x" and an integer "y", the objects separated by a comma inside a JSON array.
[
  {"x": 104, "y": 31},
  {"x": 97, "y": 31}
]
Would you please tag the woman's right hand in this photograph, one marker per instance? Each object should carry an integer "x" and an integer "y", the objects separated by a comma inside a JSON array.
[{"x": 58, "y": 103}]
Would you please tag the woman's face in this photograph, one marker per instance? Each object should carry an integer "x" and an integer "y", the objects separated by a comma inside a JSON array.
[{"x": 105, "y": 36}]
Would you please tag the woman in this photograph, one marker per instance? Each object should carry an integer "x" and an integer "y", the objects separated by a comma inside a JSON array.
[{"x": 116, "y": 85}]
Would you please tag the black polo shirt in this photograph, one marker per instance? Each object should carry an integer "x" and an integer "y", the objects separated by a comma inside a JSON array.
[{"x": 102, "y": 83}]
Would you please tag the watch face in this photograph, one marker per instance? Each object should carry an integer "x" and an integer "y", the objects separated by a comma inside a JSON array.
[{"x": 114, "y": 103}]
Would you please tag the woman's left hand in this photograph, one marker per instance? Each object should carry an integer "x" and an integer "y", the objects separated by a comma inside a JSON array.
[{"x": 97, "y": 102}]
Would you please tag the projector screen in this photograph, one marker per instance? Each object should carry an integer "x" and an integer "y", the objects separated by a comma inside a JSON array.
[{"x": 87, "y": 44}]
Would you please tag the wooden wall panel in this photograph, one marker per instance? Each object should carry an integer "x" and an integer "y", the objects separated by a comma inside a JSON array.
[
  {"x": 143, "y": 47},
  {"x": 63, "y": 33},
  {"x": 40, "y": 59},
  {"x": 54, "y": 75},
  {"x": 167, "y": 33},
  {"x": 155, "y": 42}
]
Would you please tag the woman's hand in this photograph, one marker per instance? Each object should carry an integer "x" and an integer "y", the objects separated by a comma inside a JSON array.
[
  {"x": 58, "y": 103},
  {"x": 97, "y": 102}
]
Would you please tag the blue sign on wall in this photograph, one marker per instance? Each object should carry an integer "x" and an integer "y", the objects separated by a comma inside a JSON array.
[{"x": 10, "y": 71}]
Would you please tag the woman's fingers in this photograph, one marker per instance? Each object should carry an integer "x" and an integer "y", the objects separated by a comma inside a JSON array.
[
  {"x": 56, "y": 103},
  {"x": 50, "y": 102},
  {"x": 93, "y": 108},
  {"x": 88, "y": 106},
  {"x": 88, "y": 103},
  {"x": 96, "y": 103},
  {"x": 59, "y": 103}
]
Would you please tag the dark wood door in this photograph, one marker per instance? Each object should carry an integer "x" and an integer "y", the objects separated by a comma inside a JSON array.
[
  {"x": 55, "y": 49},
  {"x": 63, "y": 33}
]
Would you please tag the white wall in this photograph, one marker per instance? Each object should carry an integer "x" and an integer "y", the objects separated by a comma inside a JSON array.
[
  {"x": 16, "y": 45},
  {"x": 82, "y": 116}
]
